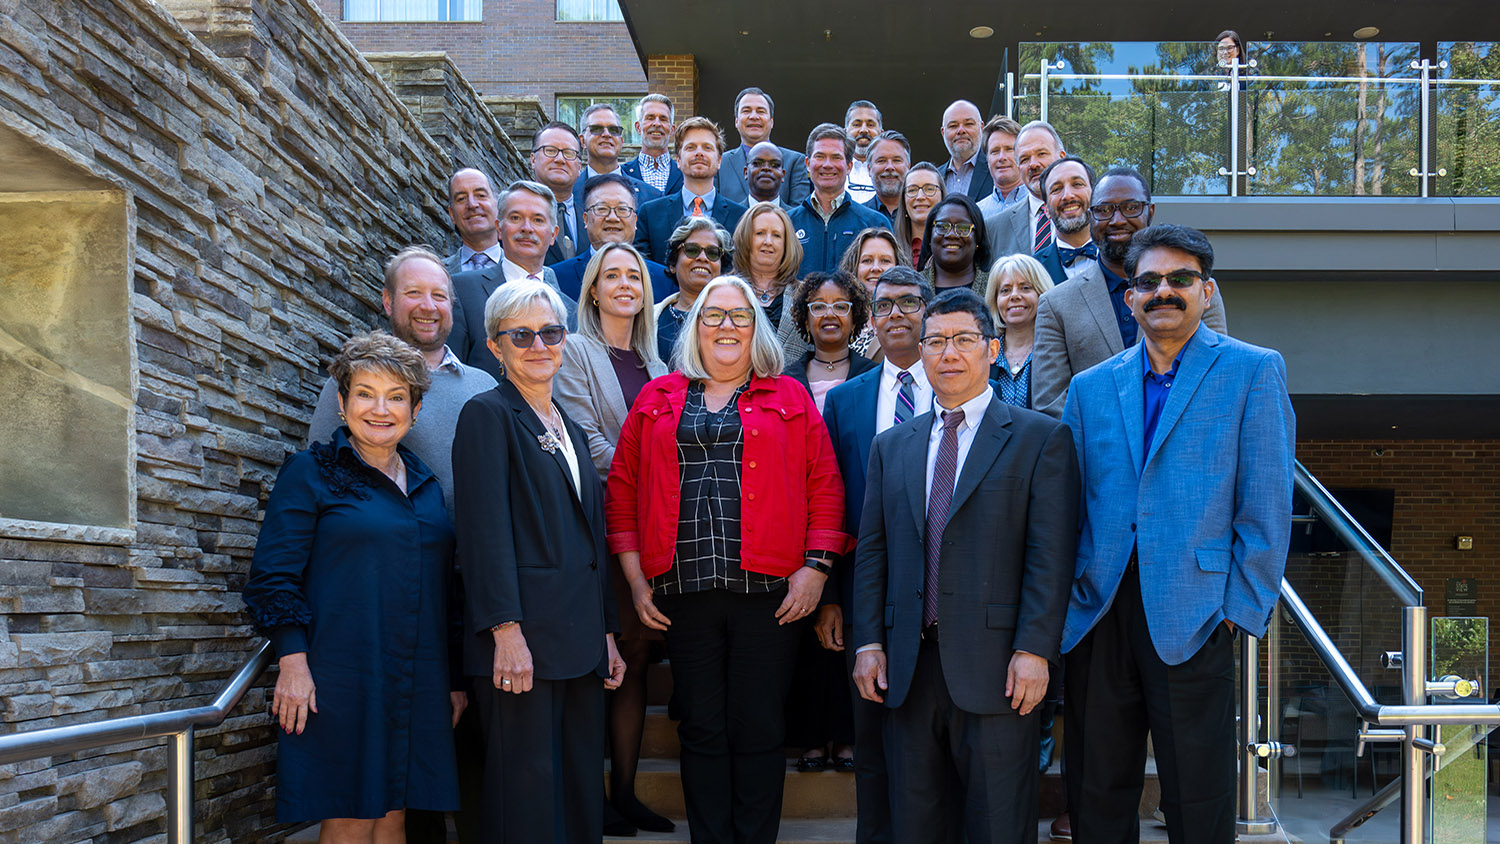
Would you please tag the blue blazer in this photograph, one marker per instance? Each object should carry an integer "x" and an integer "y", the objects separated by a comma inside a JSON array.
[
  {"x": 657, "y": 218},
  {"x": 570, "y": 276},
  {"x": 632, "y": 168},
  {"x": 1208, "y": 507},
  {"x": 1052, "y": 261},
  {"x": 643, "y": 193}
]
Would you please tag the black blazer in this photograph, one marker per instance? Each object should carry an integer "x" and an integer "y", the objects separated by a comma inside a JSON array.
[
  {"x": 1007, "y": 558},
  {"x": 657, "y": 219},
  {"x": 858, "y": 365},
  {"x": 981, "y": 183},
  {"x": 529, "y": 549},
  {"x": 632, "y": 168}
]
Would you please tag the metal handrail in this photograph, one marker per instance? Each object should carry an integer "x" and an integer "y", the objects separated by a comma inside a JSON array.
[
  {"x": 180, "y": 725},
  {"x": 1356, "y": 537}
]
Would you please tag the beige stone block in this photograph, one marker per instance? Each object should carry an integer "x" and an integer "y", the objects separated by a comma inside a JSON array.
[{"x": 43, "y": 649}]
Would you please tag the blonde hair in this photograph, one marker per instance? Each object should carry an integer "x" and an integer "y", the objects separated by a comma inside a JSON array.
[
  {"x": 766, "y": 358},
  {"x": 1023, "y": 266},
  {"x": 744, "y": 235},
  {"x": 642, "y": 325}
]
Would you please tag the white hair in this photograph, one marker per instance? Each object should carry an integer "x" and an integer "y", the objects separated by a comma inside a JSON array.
[
  {"x": 512, "y": 298},
  {"x": 766, "y": 358}
]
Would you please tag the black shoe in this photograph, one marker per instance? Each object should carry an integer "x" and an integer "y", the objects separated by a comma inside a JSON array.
[
  {"x": 635, "y": 812},
  {"x": 808, "y": 764},
  {"x": 615, "y": 824}
]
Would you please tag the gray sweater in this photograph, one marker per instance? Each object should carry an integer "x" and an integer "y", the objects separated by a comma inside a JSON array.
[{"x": 431, "y": 438}]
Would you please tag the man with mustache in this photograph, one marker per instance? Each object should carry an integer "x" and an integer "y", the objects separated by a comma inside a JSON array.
[
  {"x": 655, "y": 165},
  {"x": 965, "y": 171},
  {"x": 1085, "y": 321},
  {"x": 862, "y": 122},
  {"x": 1068, "y": 184},
  {"x": 1024, "y": 227},
  {"x": 764, "y": 173},
  {"x": 889, "y": 159},
  {"x": 1185, "y": 441},
  {"x": 471, "y": 207}
]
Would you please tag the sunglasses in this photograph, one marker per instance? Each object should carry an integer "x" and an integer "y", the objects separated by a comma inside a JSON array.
[
  {"x": 1178, "y": 279},
  {"x": 616, "y": 131},
  {"x": 693, "y": 250},
  {"x": 522, "y": 338}
]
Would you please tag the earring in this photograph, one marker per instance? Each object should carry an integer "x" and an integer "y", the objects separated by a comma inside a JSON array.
[
  {"x": 342, "y": 417},
  {"x": 596, "y": 301},
  {"x": 414, "y": 420}
]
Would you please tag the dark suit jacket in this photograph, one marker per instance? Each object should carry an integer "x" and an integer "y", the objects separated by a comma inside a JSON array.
[
  {"x": 570, "y": 276},
  {"x": 450, "y": 263},
  {"x": 529, "y": 548},
  {"x": 849, "y": 412},
  {"x": 795, "y": 187},
  {"x": 1007, "y": 555},
  {"x": 980, "y": 181},
  {"x": 657, "y": 218},
  {"x": 632, "y": 168},
  {"x": 1053, "y": 262},
  {"x": 797, "y": 369},
  {"x": 471, "y": 289},
  {"x": 580, "y": 231}
]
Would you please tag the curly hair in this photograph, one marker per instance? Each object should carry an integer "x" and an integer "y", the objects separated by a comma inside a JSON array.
[
  {"x": 380, "y": 352},
  {"x": 859, "y": 297}
]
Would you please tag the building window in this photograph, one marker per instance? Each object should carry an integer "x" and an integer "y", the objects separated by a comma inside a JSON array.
[
  {"x": 362, "y": 11},
  {"x": 589, "y": 10},
  {"x": 570, "y": 111}
]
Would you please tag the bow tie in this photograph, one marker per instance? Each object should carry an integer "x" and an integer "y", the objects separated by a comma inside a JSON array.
[{"x": 1069, "y": 255}]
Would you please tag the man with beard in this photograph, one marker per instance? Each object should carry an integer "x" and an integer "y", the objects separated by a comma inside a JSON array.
[
  {"x": 1068, "y": 184},
  {"x": 1024, "y": 227},
  {"x": 965, "y": 171},
  {"x": 889, "y": 159},
  {"x": 603, "y": 134},
  {"x": 764, "y": 173},
  {"x": 654, "y": 126},
  {"x": 999, "y": 145},
  {"x": 1186, "y": 445},
  {"x": 471, "y": 207},
  {"x": 1085, "y": 321},
  {"x": 699, "y": 147},
  {"x": 862, "y": 123},
  {"x": 828, "y": 221}
]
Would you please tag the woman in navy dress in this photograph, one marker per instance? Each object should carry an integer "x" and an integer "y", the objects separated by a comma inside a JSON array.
[{"x": 349, "y": 582}]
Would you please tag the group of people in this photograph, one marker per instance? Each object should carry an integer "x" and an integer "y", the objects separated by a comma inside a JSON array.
[{"x": 888, "y": 458}]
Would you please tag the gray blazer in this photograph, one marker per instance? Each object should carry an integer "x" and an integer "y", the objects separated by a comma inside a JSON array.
[
  {"x": 590, "y": 394},
  {"x": 794, "y": 188},
  {"x": 1010, "y": 232},
  {"x": 1076, "y": 329}
]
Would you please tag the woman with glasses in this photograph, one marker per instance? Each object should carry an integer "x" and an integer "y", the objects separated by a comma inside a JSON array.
[
  {"x": 726, "y": 508},
  {"x": 1016, "y": 284},
  {"x": 923, "y": 189},
  {"x": 872, "y": 252},
  {"x": 539, "y": 614},
  {"x": 826, "y": 308},
  {"x": 696, "y": 253},
  {"x": 605, "y": 365},
  {"x": 955, "y": 250}
]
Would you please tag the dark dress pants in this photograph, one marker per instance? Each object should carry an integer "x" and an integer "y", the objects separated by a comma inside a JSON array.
[
  {"x": 872, "y": 789},
  {"x": 1118, "y": 691},
  {"x": 956, "y": 776},
  {"x": 542, "y": 764},
  {"x": 731, "y": 666}
]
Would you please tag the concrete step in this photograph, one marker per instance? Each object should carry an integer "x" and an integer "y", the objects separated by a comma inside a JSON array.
[
  {"x": 813, "y": 795},
  {"x": 659, "y": 740},
  {"x": 793, "y": 831}
]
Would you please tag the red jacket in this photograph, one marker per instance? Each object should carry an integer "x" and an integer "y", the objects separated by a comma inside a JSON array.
[{"x": 792, "y": 498}]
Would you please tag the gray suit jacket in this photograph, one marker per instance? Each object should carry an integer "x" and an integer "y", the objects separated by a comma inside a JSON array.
[
  {"x": 1076, "y": 329},
  {"x": 450, "y": 263},
  {"x": 794, "y": 188},
  {"x": 1010, "y": 232},
  {"x": 590, "y": 394}
]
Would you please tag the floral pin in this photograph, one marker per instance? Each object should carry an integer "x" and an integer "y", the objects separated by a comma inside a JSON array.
[{"x": 548, "y": 442}]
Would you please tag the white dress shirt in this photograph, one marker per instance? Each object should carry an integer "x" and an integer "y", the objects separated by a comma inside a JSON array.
[
  {"x": 466, "y": 256},
  {"x": 974, "y": 410},
  {"x": 860, "y": 185},
  {"x": 890, "y": 387},
  {"x": 515, "y": 272}
]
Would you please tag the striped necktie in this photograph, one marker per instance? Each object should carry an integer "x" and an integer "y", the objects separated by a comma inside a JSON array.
[
  {"x": 906, "y": 399},
  {"x": 1043, "y": 230},
  {"x": 939, "y": 500}
]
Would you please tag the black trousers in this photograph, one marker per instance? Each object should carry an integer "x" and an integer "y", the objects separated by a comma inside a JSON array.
[
  {"x": 731, "y": 666},
  {"x": 957, "y": 776},
  {"x": 542, "y": 763},
  {"x": 872, "y": 787},
  {"x": 1118, "y": 691}
]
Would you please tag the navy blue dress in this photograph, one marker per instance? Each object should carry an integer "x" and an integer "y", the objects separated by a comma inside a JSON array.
[{"x": 352, "y": 572}]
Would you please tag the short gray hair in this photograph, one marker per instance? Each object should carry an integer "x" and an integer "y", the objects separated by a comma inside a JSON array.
[
  {"x": 582, "y": 118},
  {"x": 528, "y": 186},
  {"x": 766, "y": 357},
  {"x": 656, "y": 98},
  {"x": 513, "y": 297},
  {"x": 1045, "y": 127}
]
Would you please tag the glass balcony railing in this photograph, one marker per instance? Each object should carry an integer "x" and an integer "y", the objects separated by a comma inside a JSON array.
[{"x": 1296, "y": 119}]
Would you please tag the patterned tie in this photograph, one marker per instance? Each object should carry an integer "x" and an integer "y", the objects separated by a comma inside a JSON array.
[
  {"x": 697, "y": 206},
  {"x": 1043, "y": 231},
  {"x": 906, "y": 400},
  {"x": 566, "y": 241},
  {"x": 479, "y": 261},
  {"x": 1068, "y": 254},
  {"x": 944, "y": 474}
]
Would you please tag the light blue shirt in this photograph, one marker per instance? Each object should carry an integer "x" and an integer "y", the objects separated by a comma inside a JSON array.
[{"x": 708, "y": 201}]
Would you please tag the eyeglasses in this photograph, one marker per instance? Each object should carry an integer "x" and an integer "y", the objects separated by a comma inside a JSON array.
[
  {"x": 522, "y": 338},
  {"x": 693, "y": 250},
  {"x": 553, "y": 152},
  {"x": 615, "y": 131},
  {"x": 840, "y": 308},
  {"x": 907, "y": 304},
  {"x": 1105, "y": 210},
  {"x": 602, "y": 211},
  {"x": 923, "y": 190},
  {"x": 714, "y": 317},
  {"x": 1178, "y": 279},
  {"x": 945, "y": 228},
  {"x": 964, "y": 342}
]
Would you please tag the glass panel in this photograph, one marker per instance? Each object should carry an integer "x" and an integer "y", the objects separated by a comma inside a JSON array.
[
  {"x": 1333, "y": 119},
  {"x": 412, "y": 10},
  {"x": 1461, "y": 648},
  {"x": 570, "y": 111},
  {"x": 589, "y": 10},
  {"x": 1467, "y": 105}
]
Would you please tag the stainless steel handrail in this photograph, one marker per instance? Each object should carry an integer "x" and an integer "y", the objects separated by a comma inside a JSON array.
[
  {"x": 1356, "y": 537},
  {"x": 179, "y": 725}
]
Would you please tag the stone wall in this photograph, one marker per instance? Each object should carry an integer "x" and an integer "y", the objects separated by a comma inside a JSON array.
[
  {"x": 521, "y": 117},
  {"x": 253, "y": 171}
]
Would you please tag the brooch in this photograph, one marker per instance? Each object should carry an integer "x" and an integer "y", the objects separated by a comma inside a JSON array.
[{"x": 548, "y": 442}]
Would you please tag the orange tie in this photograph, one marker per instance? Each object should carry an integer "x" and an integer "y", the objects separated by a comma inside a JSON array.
[{"x": 697, "y": 206}]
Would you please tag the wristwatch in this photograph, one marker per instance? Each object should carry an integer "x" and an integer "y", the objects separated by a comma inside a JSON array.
[{"x": 818, "y": 565}]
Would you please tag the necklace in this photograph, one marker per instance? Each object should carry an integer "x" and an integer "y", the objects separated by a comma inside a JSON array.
[
  {"x": 766, "y": 296},
  {"x": 553, "y": 439},
  {"x": 831, "y": 363}
]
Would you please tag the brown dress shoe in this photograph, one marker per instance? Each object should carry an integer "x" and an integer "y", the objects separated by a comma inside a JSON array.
[{"x": 1062, "y": 828}]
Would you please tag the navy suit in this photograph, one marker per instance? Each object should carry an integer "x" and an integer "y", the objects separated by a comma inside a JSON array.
[
  {"x": 657, "y": 219},
  {"x": 580, "y": 233},
  {"x": 570, "y": 276},
  {"x": 632, "y": 168},
  {"x": 1053, "y": 262}
]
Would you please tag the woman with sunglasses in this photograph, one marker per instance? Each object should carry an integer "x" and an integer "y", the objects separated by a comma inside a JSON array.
[
  {"x": 955, "y": 249},
  {"x": 539, "y": 614},
  {"x": 923, "y": 190},
  {"x": 726, "y": 508},
  {"x": 697, "y": 252}
]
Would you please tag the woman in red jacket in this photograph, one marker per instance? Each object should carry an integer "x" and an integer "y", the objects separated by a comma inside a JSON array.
[{"x": 725, "y": 507}]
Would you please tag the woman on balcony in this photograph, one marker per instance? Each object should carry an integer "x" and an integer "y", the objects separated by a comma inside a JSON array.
[{"x": 349, "y": 582}]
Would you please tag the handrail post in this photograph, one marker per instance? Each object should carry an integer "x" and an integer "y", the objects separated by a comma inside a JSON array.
[
  {"x": 1234, "y": 126},
  {"x": 1046, "y": 65},
  {"x": 1010, "y": 95},
  {"x": 1273, "y": 701},
  {"x": 180, "y": 788},
  {"x": 1250, "y": 823},
  {"x": 1413, "y": 693}
]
